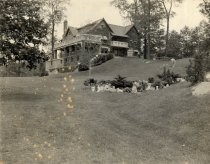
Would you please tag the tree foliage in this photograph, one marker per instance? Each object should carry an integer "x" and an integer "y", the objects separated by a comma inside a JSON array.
[
  {"x": 205, "y": 26},
  {"x": 174, "y": 45},
  {"x": 205, "y": 8},
  {"x": 147, "y": 16},
  {"x": 22, "y": 32},
  {"x": 55, "y": 12},
  {"x": 198, "y": 67},
  {"x": 188, "y": 42},
  {"x": 168, "y": 14}
]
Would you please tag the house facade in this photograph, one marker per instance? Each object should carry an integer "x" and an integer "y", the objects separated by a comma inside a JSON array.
[{"x": 80, "y": 45}]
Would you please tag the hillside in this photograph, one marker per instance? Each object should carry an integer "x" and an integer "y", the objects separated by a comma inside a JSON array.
[
  {"x": 169, "y": 126},
  {"x": 134, "y": 68}
]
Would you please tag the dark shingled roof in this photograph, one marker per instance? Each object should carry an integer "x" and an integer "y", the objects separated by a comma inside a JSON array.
[
  {"x": 116, "y": 29},
  {"x": 120, "y": 30},
  {"x": 73, "y": 30},
  {"x": 88, "y": 27}
]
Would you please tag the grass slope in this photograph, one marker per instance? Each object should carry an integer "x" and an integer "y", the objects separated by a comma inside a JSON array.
[
  {"x": 165, "y": 127},
  {"x": 134, "y": 68}
]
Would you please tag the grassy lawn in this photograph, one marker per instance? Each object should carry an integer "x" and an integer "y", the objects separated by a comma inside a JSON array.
[{"x": 161, "y": 127}]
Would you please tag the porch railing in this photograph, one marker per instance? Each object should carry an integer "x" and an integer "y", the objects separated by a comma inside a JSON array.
[
  {"x": 119, "y": 44},
  {"x": 79, "y": 38}
]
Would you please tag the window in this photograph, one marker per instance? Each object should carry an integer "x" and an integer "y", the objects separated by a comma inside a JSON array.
[
  {"x": 73, "y": 48},
  {"x": 78, "y": 47}
]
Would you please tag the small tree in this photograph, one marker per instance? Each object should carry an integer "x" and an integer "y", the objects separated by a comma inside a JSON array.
[
  {"x": 23, "y": 31},
  {"x": 197, "y": 68}
]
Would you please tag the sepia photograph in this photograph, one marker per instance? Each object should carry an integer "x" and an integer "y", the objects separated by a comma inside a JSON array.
[{"x": 104, "y": 81}]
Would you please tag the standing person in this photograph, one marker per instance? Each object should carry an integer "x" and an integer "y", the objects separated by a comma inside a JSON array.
[{"x": 173, "y": 61}]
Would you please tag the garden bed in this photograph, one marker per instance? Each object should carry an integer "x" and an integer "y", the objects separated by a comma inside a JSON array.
[{"x": 120, "y": 84}]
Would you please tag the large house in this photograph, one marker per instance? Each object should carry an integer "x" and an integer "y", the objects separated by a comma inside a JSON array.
[{"x": 79, "y": 45}]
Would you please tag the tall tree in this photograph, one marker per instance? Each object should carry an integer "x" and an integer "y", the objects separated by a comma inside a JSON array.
[
  {"x": 205, "y": 26},
  {"x": 174, "y": 45},
  {"x": 22, "y": 31},
  {"x": 149, "y": 28},
  {"x": 146, "y": 15},
  {"x": 187, "y": 47},
  {"x": 55, "y": 12},
  {"x": 168, "y": 5}
]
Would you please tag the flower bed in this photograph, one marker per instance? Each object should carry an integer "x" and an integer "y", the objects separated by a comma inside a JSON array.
[{"x": 120, "y": 84}]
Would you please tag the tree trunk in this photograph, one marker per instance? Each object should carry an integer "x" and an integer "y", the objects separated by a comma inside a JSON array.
[
  {"x": 148, "y": 34},
  {"x": 145, "y": 46},
  {"x": 167, "y": 34},
  {"x": 52, "y": 38}
]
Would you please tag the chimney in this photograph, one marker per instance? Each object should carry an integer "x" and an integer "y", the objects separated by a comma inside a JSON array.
[{"x": 65, "y": 26}]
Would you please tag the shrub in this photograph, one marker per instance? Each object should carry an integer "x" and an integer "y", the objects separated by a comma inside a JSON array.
[
  {"x": 196, "y": 69},
  {"x": 83, "y": 67},
  {"x": 151, "y": 80},
  {"x": 109, "y": 56},
  {"x": 121, "y": 83},
  {"x": 104, "y": 82},
  {"x": 159, "y": 83},
  {"x": 90, "y": 82},
  {"x": 97, "y": 60},
  {"x": 101, "y": 59},
  {"x": 168, "y": 76}
]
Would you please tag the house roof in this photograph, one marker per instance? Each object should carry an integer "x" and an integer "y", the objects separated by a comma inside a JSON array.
[
  {"x": 88, "y": 27},
  {"x": 73, "y": 30},
  {"x": 120, "y": 30},
  {"x": 116, "y": 29},
  {"x": 127, "y": 28}
]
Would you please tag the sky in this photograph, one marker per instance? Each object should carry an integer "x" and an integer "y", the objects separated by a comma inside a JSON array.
[{"x": 82, "y": 12}]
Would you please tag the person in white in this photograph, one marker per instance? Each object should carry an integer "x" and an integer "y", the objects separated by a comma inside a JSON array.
[{"x": 173, "y": 62}]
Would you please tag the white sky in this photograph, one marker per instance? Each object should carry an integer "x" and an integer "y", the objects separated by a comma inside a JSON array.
[{"x": 84, "y": 11}]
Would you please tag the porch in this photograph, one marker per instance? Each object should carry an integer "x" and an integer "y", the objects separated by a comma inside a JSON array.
[{"x": 77, "y": 50}]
